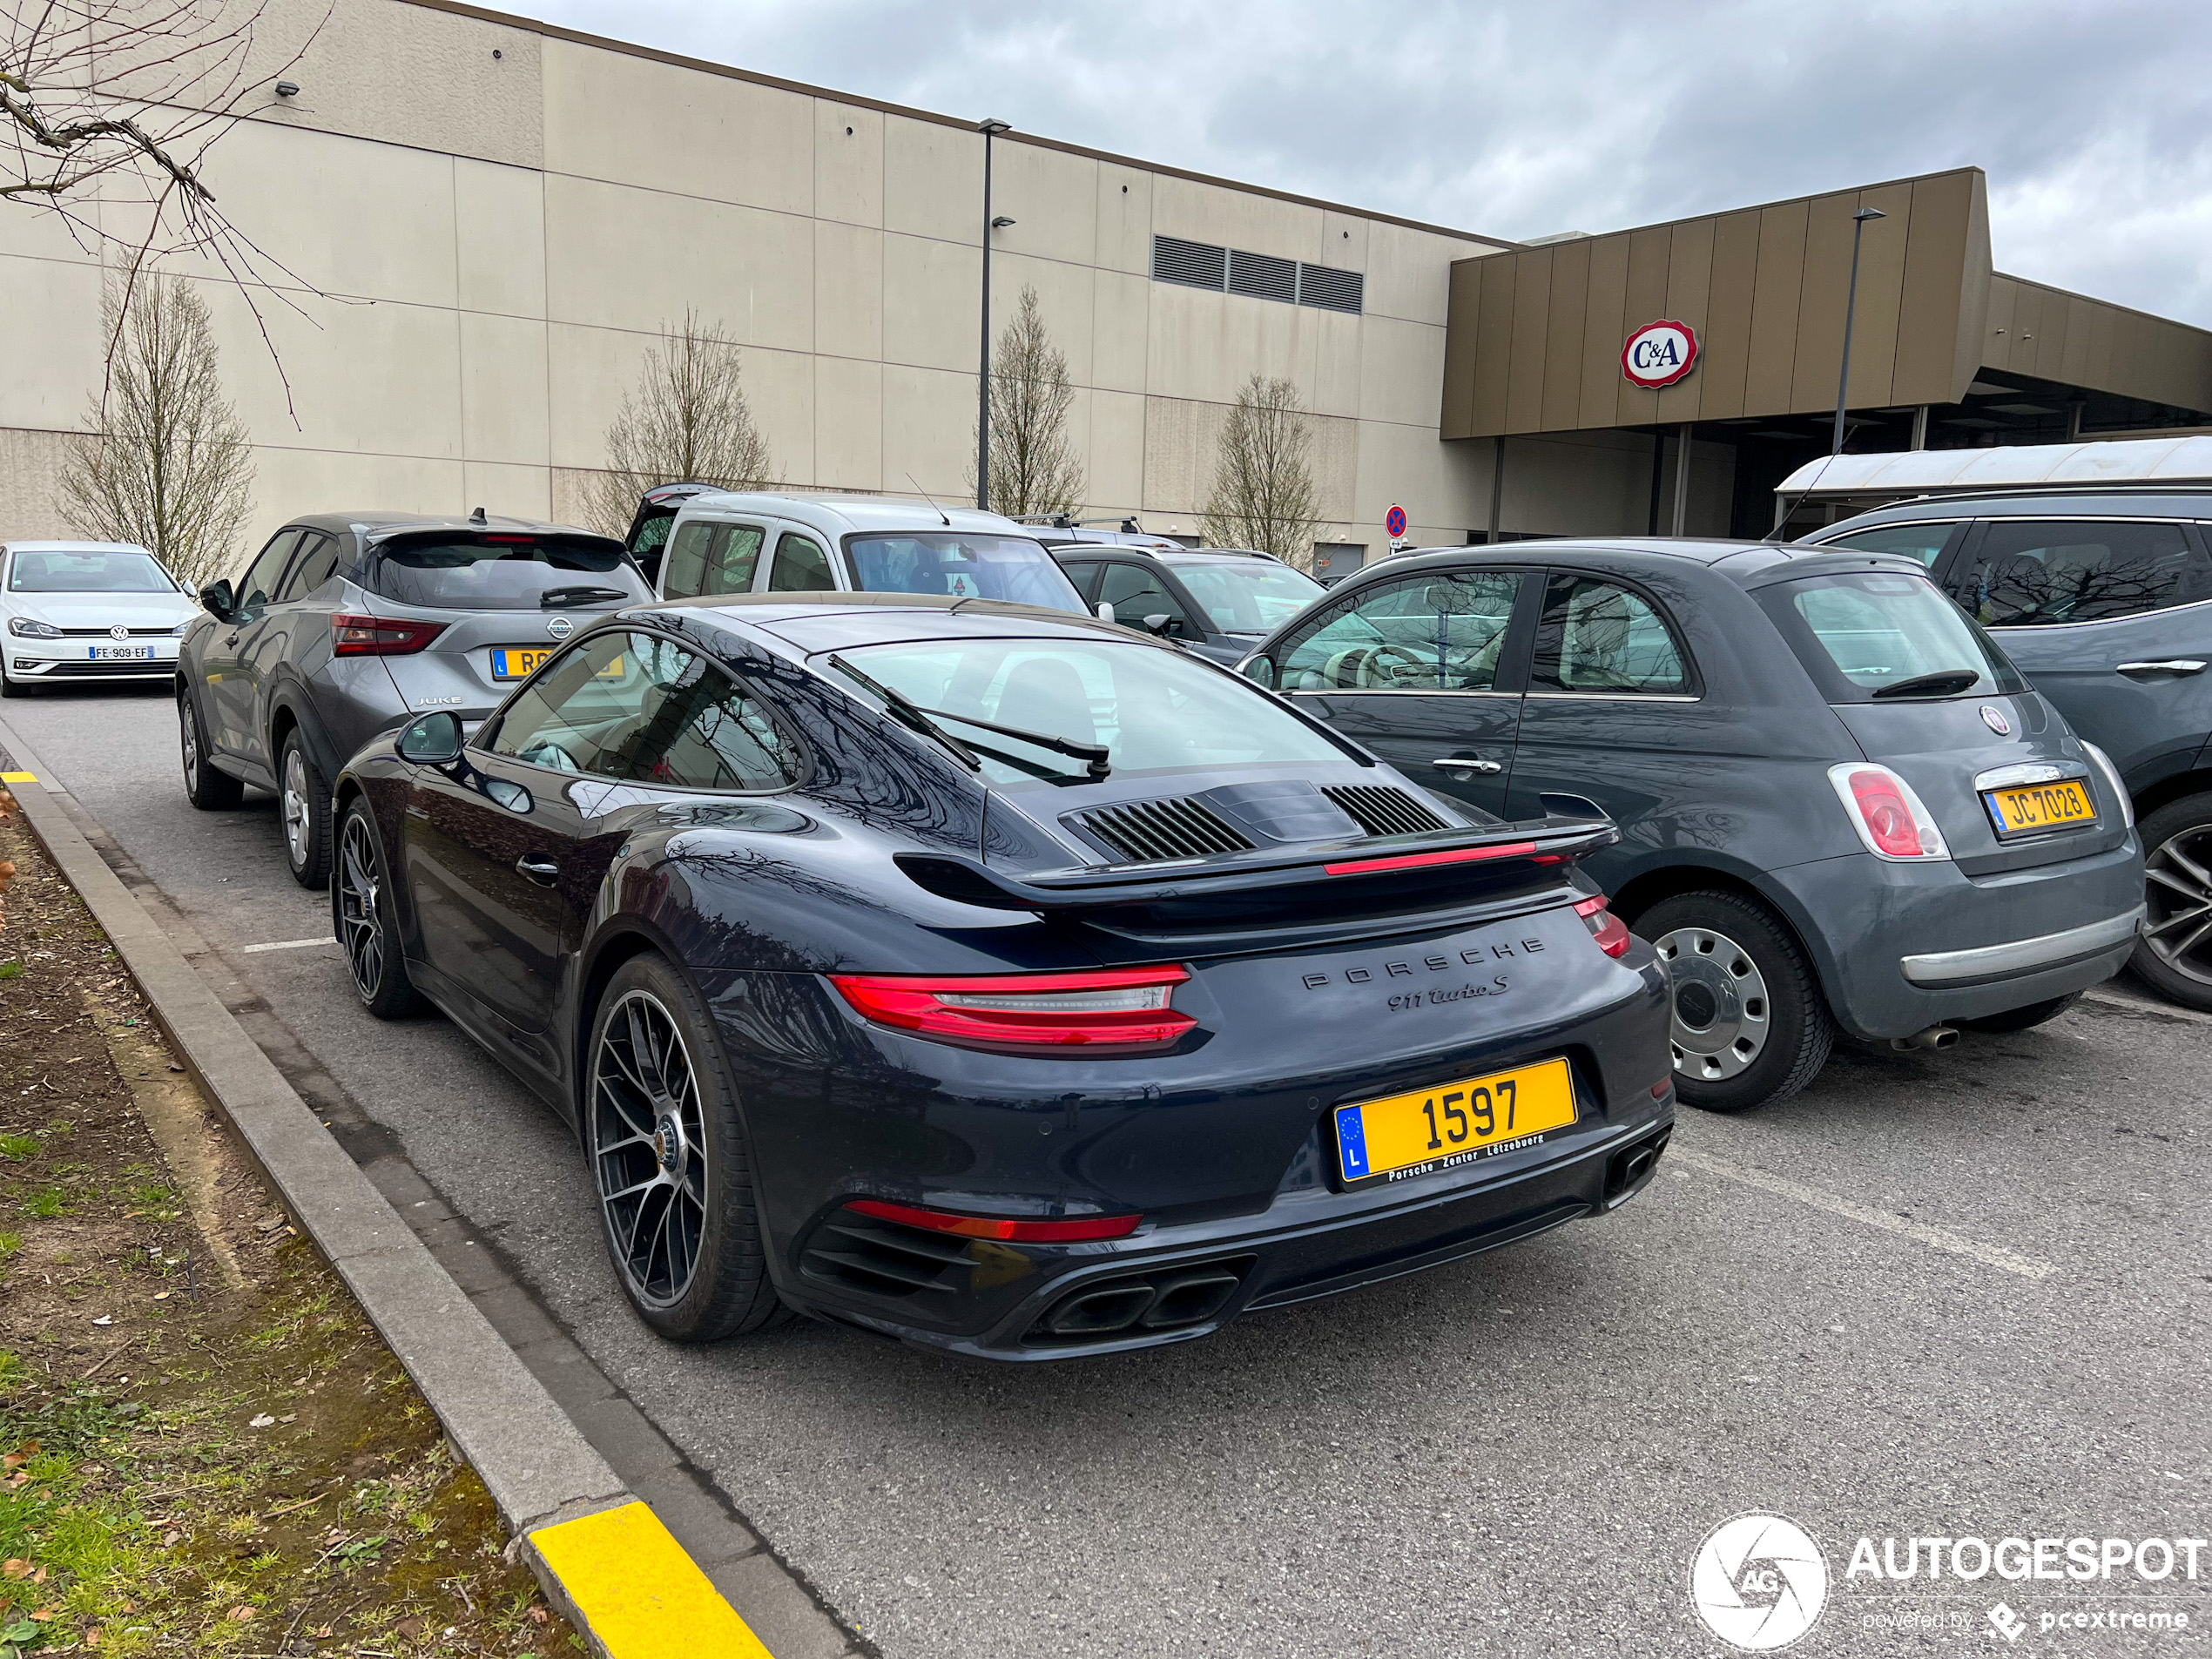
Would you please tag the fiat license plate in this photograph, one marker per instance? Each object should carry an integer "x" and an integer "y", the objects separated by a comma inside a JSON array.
[
  {"x": 2028, "y": 809},
  {"x": 1404, "y": 1135}
]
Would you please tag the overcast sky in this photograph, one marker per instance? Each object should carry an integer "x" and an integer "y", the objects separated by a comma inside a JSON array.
[{"x": 2093, "y": 120}]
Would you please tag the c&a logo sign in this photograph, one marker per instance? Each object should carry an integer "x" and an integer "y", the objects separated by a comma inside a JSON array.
[
  {"x": 1758, "y": 1581},
  {"x": 1659, "y": 353}
]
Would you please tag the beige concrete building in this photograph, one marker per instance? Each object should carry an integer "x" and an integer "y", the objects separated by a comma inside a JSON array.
[{"x": 486, "y": 220}]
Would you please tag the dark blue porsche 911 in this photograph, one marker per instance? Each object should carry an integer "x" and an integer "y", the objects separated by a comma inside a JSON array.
[{"x": 1001, "y": 980}]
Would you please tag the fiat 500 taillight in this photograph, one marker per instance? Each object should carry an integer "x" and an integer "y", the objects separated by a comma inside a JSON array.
[
  {"x": 1889, "y": 817},
  {"x": 1116, "y": 1007}
]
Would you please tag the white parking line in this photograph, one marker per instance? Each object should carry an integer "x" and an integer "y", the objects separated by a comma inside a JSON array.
[
  {"x": 1934, "y": 1238},
  {"x": 286, "y": 944}
]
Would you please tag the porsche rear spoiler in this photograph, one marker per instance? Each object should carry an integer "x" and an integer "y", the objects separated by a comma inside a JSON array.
[{"x": 1492, "y": 849}]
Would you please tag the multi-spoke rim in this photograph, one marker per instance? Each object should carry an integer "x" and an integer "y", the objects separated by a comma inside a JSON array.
[
  {"x": 2178, "y": 893},
  {"x": 648, "y": 1148},
  {"x": 1722, "y": 1015},
  {"x": 357, "y": 890},
  {"x": 297, "y": 830}
]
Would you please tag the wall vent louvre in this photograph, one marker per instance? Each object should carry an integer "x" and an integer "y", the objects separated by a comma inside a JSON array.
[
  {"x": 1331, "y": 290},
  {"x": 1147, "y": 831},
  {"x": 1262, "y": 277},
  {"x": 1380, "y": 810},
  {"x": 1200, "y": 264}
]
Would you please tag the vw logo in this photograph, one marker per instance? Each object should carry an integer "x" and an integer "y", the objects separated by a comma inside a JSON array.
[
  {"x": 118, "y": 632},
  {"x": 562, "y": 627},
  {"x": 1995, "y": 720}
]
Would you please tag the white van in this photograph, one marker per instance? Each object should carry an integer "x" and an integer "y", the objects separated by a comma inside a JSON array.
[{"x": 757, "y": 542}]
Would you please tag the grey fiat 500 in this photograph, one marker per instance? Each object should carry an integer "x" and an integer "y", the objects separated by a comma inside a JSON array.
[
  {"x": 347, "y": 625},
  {"x": 1840, "y": 806}
]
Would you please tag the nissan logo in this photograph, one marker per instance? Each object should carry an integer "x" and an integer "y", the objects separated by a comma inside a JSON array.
[
  {"x": 562, "y": 627},
  {"x": 1995, "y": 720}
]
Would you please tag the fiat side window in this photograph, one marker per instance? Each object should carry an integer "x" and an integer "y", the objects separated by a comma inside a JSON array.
[
  {"x": 1601, "y": 639},
  {"x": 2034, "y": 574},
  {"x": 1439, "y": 632}
]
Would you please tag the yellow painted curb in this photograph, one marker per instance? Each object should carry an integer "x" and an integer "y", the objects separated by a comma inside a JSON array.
[
  {"x": 19, "y": 777},
  {"x": 634, "y": 1594}
]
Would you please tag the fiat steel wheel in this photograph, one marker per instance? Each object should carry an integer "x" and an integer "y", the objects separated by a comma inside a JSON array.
[
  {"x": 1720, "y": 1002},
  {"x": 1750, "y": 1025}
]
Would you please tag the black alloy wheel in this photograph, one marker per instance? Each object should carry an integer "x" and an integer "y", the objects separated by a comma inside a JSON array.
[
  {"x": 207, "y": 787},
  {"x": 2174, "y": 955},
  {"x": 303, "y": 804},
  {"x": 360, "y": 907},
  {"x": 672, "y": 1164},
  {"x": 1751, "y": 1027}
]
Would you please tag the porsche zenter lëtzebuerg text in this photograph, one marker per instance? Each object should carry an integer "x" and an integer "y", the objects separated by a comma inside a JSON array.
[{"x": 996, "y": 979}]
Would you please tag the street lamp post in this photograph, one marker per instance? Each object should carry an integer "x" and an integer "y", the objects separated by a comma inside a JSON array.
[
  {"x": 1851, "y": 304},
  {"x": 990, "y": 127}
]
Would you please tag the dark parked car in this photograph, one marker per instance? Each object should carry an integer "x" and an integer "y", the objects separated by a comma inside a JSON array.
[
  {"x": 995, "y": 978},
  {"x": 1839, "y": 804},
  {"x": 348, "y": 624},
  {"x": 2105, "y": 601},
  {"x": 1221, "y": 602}
]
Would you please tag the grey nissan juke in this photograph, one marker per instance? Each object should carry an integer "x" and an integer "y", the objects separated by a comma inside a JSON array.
[{"x": 348, "y": 624}]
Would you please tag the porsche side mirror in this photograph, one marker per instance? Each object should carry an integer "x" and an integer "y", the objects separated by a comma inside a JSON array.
[
  {"x": 1105, "y": 610},
  {"x": 433, "y": 740},
  {"x": 1260, "y": 670},
  {"x": 217, "y": 600}
]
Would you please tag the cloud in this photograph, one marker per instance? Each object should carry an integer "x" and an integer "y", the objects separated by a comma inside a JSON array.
[{"x": 2095, "y": 121}]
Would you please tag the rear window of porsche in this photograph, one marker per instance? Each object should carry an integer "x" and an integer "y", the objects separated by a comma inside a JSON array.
[{"x": 496, "y": 572}]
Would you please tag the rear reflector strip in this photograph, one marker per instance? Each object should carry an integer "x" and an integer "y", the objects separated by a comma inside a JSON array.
[
  {"x": 1416, "y": 860},
  {"x": 1067, "y": 1230}
]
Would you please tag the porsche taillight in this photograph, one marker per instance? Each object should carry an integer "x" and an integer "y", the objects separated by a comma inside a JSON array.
[
  {"x": 353, "y": 636},
  {"x": 1610, "y": 932},
  {"x": 1115, "y": 1007}
]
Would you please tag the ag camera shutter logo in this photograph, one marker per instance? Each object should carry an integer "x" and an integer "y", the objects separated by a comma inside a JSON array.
[{"x": 1758, "y": 1581}]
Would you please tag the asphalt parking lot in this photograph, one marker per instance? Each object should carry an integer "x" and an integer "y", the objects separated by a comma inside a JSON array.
[{"x": 1936, "y": 1295}]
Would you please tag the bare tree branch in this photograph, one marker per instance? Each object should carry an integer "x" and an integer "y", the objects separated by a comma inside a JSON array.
[
  {"x": 1035, "y": 468},
  {"x": 687, "y": 420},
  {"x": 1263, "y": 489},
  {"x": 166, "y": 463}
]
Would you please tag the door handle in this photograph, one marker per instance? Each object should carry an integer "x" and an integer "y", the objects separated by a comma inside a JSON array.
[
  {"x": 544, "y": 871},
  {"x": 1461, "y": 763},
  {"x": 2176, "y": 666}
]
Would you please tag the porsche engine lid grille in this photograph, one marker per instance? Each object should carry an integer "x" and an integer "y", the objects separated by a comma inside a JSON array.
[
  {"x": 1147, "y": 831},
  {"x": 1380, "y": 810}
]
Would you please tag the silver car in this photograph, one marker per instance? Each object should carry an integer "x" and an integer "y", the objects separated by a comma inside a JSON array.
[{"x": 348, "y": 624}]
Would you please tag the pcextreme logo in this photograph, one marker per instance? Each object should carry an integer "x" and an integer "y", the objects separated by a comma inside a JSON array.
[{"x": 1758, "y": 1581}]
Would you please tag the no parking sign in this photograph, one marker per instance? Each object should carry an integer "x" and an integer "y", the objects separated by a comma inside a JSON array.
[{"x": 1394, "y": 523}]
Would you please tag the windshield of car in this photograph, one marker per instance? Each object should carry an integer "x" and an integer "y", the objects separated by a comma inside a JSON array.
[
  {"x": 1150, "y": 708},
  {"x": 496, "y": 572},
  {"x": 963, "y": 565},
  {"x": 1860, "y": 632},
  {"x": 1247, "y": 596},
  {"x": 99, "y": 570}
]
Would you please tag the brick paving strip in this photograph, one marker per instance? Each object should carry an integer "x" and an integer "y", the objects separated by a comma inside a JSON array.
[{"x": 605, "y": 1557}]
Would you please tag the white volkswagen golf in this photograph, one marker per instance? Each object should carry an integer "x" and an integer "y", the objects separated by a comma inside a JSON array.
[{"x": 80, "y": 610}]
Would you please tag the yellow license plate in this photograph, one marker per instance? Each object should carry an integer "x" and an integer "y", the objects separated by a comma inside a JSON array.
[
  {"x": 2030, "y": 808},
  {"x": 511, "y": 663},
  {"x": 1453, "y": 1123}
]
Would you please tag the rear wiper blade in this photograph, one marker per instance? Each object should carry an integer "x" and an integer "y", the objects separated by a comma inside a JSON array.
[
  {"x": 1096, "y": 756},
  {"x": 908, "y": 713},
  {"x": 559, "y": 598},
  {"x": 1942, "y": 682}
]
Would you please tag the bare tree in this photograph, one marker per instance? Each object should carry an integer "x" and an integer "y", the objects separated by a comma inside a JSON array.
[
  {"x": 167, "y": 464},
  {"x": 1033, "y": 465},
  {"x": 108, "y": 109},
  {"x": 687, "y": 419},
  {"x": 1263, "y": 489}
]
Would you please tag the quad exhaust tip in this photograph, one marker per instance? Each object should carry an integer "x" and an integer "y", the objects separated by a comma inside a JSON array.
[{"x": 1937, "y": 1037}]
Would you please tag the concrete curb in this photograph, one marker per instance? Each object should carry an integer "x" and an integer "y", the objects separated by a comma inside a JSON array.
[{"x": 602, "y": 1556}]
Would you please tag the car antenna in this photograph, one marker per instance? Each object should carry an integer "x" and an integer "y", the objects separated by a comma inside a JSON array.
[
  {"x": 932, "y": 500},
  {"x": 476, "y": 517},
  {"x": 1782, "y": 514}
]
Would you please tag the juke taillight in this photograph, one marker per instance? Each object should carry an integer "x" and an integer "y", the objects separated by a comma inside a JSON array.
[
  {"x": 1113, "y": 1007},
  {"x": 353, "y": 636},
  {"x": 1610, "y": 932}
]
